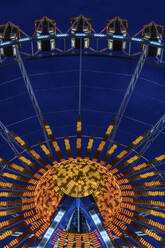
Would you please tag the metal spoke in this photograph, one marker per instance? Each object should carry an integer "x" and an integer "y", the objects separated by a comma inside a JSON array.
[
  {"x": 60, "y": 36},
  {"x": 32, "y": 95},
  {"x": 152, "y": 135},
  {"x": 52, "y": 228},
  {"x": 69, "y": 222},
  {"x": 78, "y": 219},
  {"x": 128, "y": 94},
  {"x": 5, "y": 134},
  {"x": 103, "y": 233},
  {"x": 80, "y": 78}
]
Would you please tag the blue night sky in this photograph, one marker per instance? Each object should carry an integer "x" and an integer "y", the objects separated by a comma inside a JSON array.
[{"x": 104, "y": 80}]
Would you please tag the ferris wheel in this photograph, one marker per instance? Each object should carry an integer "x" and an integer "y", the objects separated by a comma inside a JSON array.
[{"x": 80, "y": 189}]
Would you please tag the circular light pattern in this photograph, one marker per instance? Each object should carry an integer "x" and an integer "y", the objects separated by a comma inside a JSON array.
[
  {"x": 78, "y": 178},
  {"x": 109, "y": 199},
  {"x": 119, "y": 194},
  {"x": 46, "y": 199}
]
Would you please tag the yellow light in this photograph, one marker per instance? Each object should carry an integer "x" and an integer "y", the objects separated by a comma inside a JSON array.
[
  {"x": 140, "y": 166},
  {"x": 160, "y": 158},
  {"x": 34, "y": 154},
  {"x": 8, "y": 185},
  {"x": 109, "y": 130},
  {"x": 115, "y": 170},
  {"x": 121, "y": 181},
  {"x": 156, "y": 213},
  {"x": 155, "y": 193},
  {"x": 67, "y": 144},
  {"x": 31, "y": 220},
  {"x": 10, "y": 175},
  {"x": 157, "y": 203},
  {"x": 4, "y": 194},
  {"x": 131, "y": 160},
  {"x": 48, "y": 130},
  {"x": 152, "y": 183},
  {"x": 45, "y": 149},
  {"x": 156, "y": 224},
  {"x": 28, "y": 207},
  {"x": 6, "y": 234},
  {"x": 145, "y": 243},
  {"x": 122, "y": 154},
  {"x": 136, "y": 141},
  {"x": 112, "y": 149},
  {"x": 4, "y": 223},
  {"x": 20, "y": 141},
  {"x": 148, "y": 174},
  {"x": 12, "y": 243},
  {"x": 79, "y": 126},
  {"x": 101, "y": 146},
  {"x": 55, "y": 145},
  {"x": 27, "y": 194},
  {"x": 90, "y": 143},
  {"x": 17, "y": 167},
  {"x": 78, "y": 143},
  {"x": 152, "y": 234},
  {"x": 25, "y": 160}
]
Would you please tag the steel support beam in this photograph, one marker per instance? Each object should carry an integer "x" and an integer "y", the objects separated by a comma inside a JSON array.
[
  {"x": 51, "y": 230},
  {"x": 128, "y": 94},
  {"x": 32, "y": 95},
  {"x": 69, "y": 222},
  {"x": 152, "y": 135},
  {"x": 91, "y": 213},
  {"x": 78, "y": 214},
  {"x": 65, "y": 213},
  {"x": 103, "y": 233},
  {"x": 158, "y": 128},
  {"x": 83, "y": 35},
  {"x": 5, "y": 134},
  {"x": 80, "y": 80},
  {"x": 14, "y": 145},
  {"x": 60, "y": 220}
]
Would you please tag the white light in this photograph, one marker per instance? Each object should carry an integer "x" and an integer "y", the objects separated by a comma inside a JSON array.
[
  {"x": 81, "y": 35},
  {"x": 155, "y": 43},
  {"x": 104, "y": 236},
  {"x": 62, "y": 35},
  {"x": 24, "y": 39},
  {"x": 51, "y": 229},
  {"x": 118, "y": 36},
  {"x": 96, "y": 219},
  {"x": 59, "y": 216},
  {"x": 136, "y": 39},
  {"x": 43, "y": 36},
  {"x": 99, "y": 35}
]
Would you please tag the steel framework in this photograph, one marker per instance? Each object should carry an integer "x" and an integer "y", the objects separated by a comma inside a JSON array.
[
  {"x": 83, "y": 35},
  {"x": 153, "y": 134},
  {"x": 32, "y": 95},
  {"x": 5, "y": 134},
  {"x": 149, "y": 139},
  {"x": 63, "y": 216},
  {"x": 91, "y": 216},
  {"x": 129, "y": 91}
]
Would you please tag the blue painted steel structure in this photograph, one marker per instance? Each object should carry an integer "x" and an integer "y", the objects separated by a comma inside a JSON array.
[
  {"x": 82, "y": 35},
  {"x": 32, "y": 95},
  {"x": 64, "y": 214},
  {"x": 130, "y": 39},
  {"x": 129, "y": 91}
]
